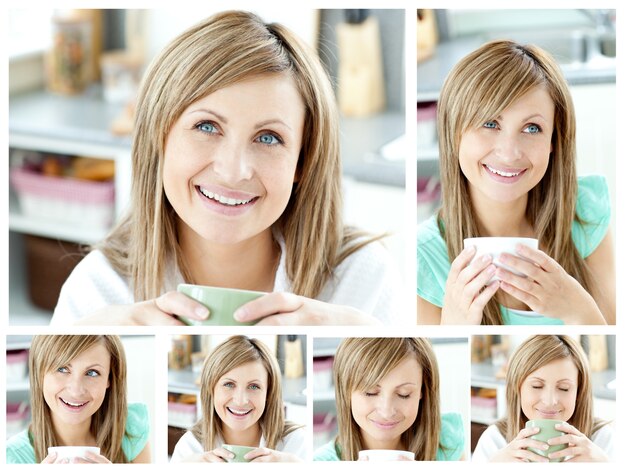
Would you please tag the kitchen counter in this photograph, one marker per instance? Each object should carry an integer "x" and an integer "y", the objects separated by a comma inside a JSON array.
[
  {"x": 86, "y": 118},
  {"x": 432, "y": 72}
]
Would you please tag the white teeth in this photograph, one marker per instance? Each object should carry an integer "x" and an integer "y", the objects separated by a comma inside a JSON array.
[
  {"x": 72, "y": 404},
  {"x": 239, "y": 413},
  {"x": 501, "y": 173},
  {"x": 223, "y": 199}
]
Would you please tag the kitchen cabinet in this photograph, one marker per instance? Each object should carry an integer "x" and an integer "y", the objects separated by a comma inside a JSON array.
[{"x": 77, "y": 126}]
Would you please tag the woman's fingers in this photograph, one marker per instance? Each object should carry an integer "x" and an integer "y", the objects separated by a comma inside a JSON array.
[
  {"x": 177, "y": 303},
  {"x": 270, "y": 304}
]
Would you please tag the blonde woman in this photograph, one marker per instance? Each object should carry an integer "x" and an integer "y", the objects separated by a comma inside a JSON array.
[
  {"x": 236, "y": 183},
  {"x": 78, "y": 398},
  {"x": 548, "y": 378},
  {"x": 507, "y": 149},
  {"x": 242, "y": 404},
  {"x": 387, "y": 395}
]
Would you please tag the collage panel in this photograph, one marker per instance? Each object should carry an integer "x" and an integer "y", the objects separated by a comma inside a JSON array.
[
  {"x": 543, "y": 398},
  {"x": 158, "y": 128},
  {"x": 80, "y": 399},
  {"x": 390, "y": 399},
  {"x": 516, "y": 166},
  {"x": 237, "y": 399}
]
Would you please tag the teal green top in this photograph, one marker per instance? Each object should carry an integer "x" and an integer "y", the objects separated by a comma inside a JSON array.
[
  {"x": 592, "y": 206},
  {"x": 21, "y": 450},
  {"x": 451, "y": 442}
]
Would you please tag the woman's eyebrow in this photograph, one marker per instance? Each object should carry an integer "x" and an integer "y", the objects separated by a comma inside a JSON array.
[
  {"x": 208, "y": 111},
  {"x": 272, "y": 121}
]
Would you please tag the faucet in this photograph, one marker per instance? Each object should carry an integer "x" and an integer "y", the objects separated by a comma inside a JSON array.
[{"x": 603, "y": 19}]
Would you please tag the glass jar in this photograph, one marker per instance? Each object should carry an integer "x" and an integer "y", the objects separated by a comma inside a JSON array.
[{"x": 69, "y": 60}]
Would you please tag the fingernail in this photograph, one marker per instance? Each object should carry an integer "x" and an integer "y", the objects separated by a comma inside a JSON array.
[
  {"x": 240, "y": 314},
  {"x": 202, "y": 313},
  {"x": 485, "y": 257},
  {"x": 491, "y": 269},
  {"x": 520, "y": 248}
]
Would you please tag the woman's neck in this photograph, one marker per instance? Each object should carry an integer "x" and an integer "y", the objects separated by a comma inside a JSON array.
[
  {"x": 250, "y": 437},
  {"x": 502, "y": 219},
  {"x": 74, "y": 434},
  {"x": 250, "y": 264},
  {"x": 393, "y": 444}
]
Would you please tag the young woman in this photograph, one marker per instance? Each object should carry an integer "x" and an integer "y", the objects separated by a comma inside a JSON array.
[
  {"x": 78, "y": 398},
  {"x": 507, "y": 149},
  {"x": 548, "y": 378},
  {"x": 387, "y": 395},
  {"x": 236, "y": 183},
  {"x": 242, "y": 404}
]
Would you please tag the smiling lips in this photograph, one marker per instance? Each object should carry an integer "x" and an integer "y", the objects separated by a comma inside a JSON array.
[
  {"x": 238, "y": 413},
  {"x": 227, "y": 201},
  {"x": 509, "y": 173},
  {"x": 385, "y": 424},
  {"x": 73, "y": 405}
]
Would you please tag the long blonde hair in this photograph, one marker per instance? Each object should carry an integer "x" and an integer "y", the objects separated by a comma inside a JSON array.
[
  {"x": 108, "y": 424},
  {"x": 218, "y": 52},
  {"x": 232, "y": 353},
  {"x": 532, "y": 354},
  {"x": 480, "y": 87},
  {"x": 360, "y": 363}
]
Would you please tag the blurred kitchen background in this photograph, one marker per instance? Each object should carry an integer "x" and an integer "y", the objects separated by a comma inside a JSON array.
[
  {"x": 582, "y": 41},
  {"x": 140, "y": 363},
  {"x": 490, "y": 357},
  {"x": 186, "y": 357},
  {"x": 452, "y": 357},
  {"x": 73, "y": 76}
]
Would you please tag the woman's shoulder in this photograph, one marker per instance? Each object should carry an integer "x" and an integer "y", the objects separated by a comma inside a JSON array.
[
  {"x": 20, "y": 449},
  {"x": 137, "y": 430},
  {"x": 328, "y": 452},
  {"x": 93, "y": 284},
  {"x": 593, "y": 208},
  {"x": 490, "y": 442},
  {"x": 451, "y": 438},
  {"x": 433, "y": 263},
  {"x": 187, "y": 445},
  {"x": 294, "y": 443}
]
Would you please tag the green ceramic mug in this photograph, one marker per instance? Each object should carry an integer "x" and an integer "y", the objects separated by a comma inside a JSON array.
[
  {"x": 221, "y": 302},
  {"x": 238, "y": 452},
  {"x": 547, "y": 430}
]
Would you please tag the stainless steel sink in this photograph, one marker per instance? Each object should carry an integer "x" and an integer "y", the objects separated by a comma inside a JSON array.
[{"x": 578, "y": 47}]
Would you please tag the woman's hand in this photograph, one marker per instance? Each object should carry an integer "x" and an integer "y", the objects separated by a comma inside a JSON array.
[
  {"x": 517, "y": 449},
  {"x": 580, "y": 447},
  {"x": 282, "y": 308},
  {"x": 263, "y": 454},
  {"x": 547, "y": 288},
  {"x": 160, "y": 311},
  {"x": 465, "y": 297},
  {"x": 218, "y": 455}
]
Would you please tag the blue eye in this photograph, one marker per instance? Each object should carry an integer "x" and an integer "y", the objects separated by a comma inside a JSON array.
[
  {"x": 229, "y": 385},
  {"x": 93, "y": 373},
  {"x": 63, "y": 370},
  {"x": 491, "y": 125},
  {"x": 254, "y": 387},
  {"x": 532, "y": 129},
  {"x": 269, "y": 139},
  {"x": 206, "y": 127}
]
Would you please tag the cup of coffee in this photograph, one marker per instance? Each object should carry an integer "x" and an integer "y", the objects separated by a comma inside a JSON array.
[
  {"x": 383, "y": 455},
  {"x": 238, "y": 452},
  {"x": 495, "y": 246},
  {"x": 69, "y": 452},
  {"x": 547, "y": 430},
  {"x": 221, "y": 302}
]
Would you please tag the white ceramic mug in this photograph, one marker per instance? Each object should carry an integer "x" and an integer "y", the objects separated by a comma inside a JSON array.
[
  {"x": 69, "y": 452},
  {"x": 380, "y": 455},
  {"x": 495, "y": 246}
]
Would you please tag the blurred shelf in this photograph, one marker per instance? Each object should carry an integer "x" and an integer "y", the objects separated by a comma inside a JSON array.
[
  {"x": 49, "y": 228},
  {"x": 327, "y": 395},
  {"x": 22, "y": 385},
  {"x": 179, "y": 424},
  {"x": 427, "y": 154},
  {"x": 15, "y": 342},
  {"x": 480, "y": 420},
  {"x": 182, "y": 381},
  {"x": 21, "y": 311}
]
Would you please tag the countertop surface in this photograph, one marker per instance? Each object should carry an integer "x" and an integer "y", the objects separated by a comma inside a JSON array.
[
  {"x": 86, "y": 118},
  {"x": 432, "y": 72}
]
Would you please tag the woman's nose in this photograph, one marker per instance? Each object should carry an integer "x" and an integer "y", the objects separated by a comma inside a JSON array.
[
  {"x": 508, "y": 147},
  {"x": 76, "y": 384},
  {"x": 386, "y": 407},
  {"x": 232, "y": 163},
  {"x": 549, "y": 397}
]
